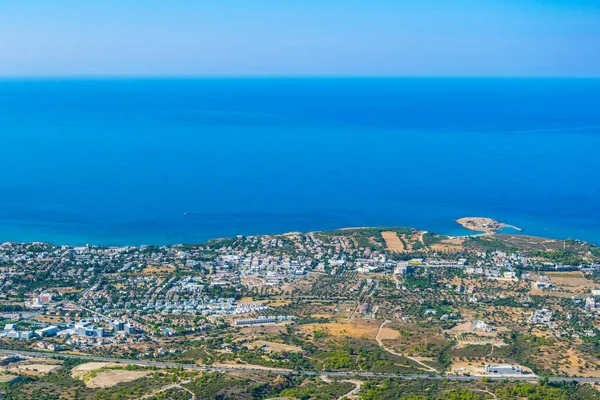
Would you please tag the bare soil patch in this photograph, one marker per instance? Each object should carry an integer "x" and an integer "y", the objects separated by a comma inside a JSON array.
[
  {"x": 35, "y": 369},
  {"x": 392, "y": 241},
  {"x": 355, "y": 328},
  {"x": 158, "y": 269},
  {"x": 83, "y": 369},
  {"x": 466, "y": 367},
  {"x": 112, "y": 377},
  {"x": 6, "y": 379},
  {"x": 388, "y": 334},
  {"x": 106, "y": 377},
  {"x": 464, "y": 327},
  {"x": 272, "y": 346},
  {"x": 566, "y": 284}
]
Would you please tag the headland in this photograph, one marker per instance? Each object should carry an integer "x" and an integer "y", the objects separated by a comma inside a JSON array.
[{"x": 483, "y": 224}]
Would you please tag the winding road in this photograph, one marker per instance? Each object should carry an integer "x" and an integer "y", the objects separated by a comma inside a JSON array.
[
  {"x": 380, "y": 342},
  {"x": 172, "y": 386},
  {"x": 351, "y": 394}
]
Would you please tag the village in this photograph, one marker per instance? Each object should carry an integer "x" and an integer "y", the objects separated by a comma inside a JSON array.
[{"x": 469, "y": 300}]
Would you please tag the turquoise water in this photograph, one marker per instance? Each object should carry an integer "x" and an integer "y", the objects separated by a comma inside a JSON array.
[{"x": 122, "y": 161}]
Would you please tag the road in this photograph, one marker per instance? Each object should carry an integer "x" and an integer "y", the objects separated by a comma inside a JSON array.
[
  {"x": 351, "y": 394},
  {"x": 281, "y": 371},
  {"x": 426, "y": 367},
  {"x": 172, "y": 386}
]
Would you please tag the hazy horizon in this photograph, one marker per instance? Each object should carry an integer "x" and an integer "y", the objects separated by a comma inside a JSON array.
[
  {"x": 382, "y": 38},
  {"x": 8, "y": 78}
]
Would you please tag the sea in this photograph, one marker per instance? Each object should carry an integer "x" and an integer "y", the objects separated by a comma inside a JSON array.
[{"x": 165, "y": 161}]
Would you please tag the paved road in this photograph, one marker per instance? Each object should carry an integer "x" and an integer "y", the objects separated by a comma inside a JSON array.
[{"x": 340, "y": 374}]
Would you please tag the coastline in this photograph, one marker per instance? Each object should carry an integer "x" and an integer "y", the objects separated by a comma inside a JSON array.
[
  {"x": 485, "y": 224},
  {"x": 459, "y": 231}
]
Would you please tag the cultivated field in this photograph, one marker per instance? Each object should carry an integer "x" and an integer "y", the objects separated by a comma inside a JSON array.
[{"x": 566, "y": 284}]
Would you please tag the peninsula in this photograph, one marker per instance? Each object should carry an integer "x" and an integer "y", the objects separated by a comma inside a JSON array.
[{"x": 482, "y": 224}]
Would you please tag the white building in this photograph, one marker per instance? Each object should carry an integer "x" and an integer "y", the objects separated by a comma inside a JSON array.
[
  {"x": 47, "y": 331},
  {"x": 503, "y": 369}
]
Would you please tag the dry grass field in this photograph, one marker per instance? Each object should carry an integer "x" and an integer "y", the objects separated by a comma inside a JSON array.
[
  {"x": 464, "y": 327},
  {"x": 278, "y": 303},
  {"x": 159, "y": 269},
  {"x": 80, "y": 370},
  {"x": 50, "y": 319},
  {"x": 573, "y": 279},
  {"x": 569, "y": 361},
  {"x": 69, "y": 289},
  {"x": 449, "y": 244},
  {"x": 500, "y": 316},
  {"x": 467, "y": 367},
  {"x": 388, "y": 333},
  {"x": 566, "y": 284},
  {"x": 393, "y": 242},
  {"x": 257, "y": 330},
  {"x": 34, "y": 369},
  {"x": 356, "y": 328},
  {"x": 271, "y": 346},
  {"x": 112, "y": 377},
  {"x": 105, "y": 378},
  {"x": 537, "y": 243},
  {"x": 478, "y": 341},
  {"x": 5, "y": 379},
  {"x": 246, "y": 300}
]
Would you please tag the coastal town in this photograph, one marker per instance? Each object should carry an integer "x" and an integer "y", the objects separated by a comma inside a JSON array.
[{"x": 349, "y": 301}]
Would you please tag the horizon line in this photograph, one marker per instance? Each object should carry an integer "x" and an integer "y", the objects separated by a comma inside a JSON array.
[{"x": 225, "y": 77}]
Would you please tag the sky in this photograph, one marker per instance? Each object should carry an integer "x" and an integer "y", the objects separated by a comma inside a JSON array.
[{"x": 509, "y": 38}]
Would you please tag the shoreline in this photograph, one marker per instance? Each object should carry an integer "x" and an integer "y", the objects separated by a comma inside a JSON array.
[{"x": 445, "y": 232}]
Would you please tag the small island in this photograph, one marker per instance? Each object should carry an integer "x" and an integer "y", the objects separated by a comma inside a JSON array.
[{"x": 482, "y": 224}]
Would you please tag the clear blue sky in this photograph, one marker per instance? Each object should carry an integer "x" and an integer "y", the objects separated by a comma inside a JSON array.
[{"x": 300, "y": 37}]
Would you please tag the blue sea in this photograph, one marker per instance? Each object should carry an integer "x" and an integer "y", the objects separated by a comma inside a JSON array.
[{"x": 130, "y": 162}]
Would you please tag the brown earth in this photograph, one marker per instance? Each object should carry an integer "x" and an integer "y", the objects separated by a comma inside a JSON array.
[
  {"x": 393, "y": 242},
  {"x": 355, "y": 328},
  {"x": 114, "y": 376}
]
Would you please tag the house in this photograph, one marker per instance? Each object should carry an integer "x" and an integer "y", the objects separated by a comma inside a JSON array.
[
  {"x": 542, "y": 285},
  {"x": 590, "y": 303},
  {"x": 510, "y": 275},
  {"x": 256, "y": 321},
  {"x": 19, "y": 335},
  {"x": 402, "y": 268}
]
